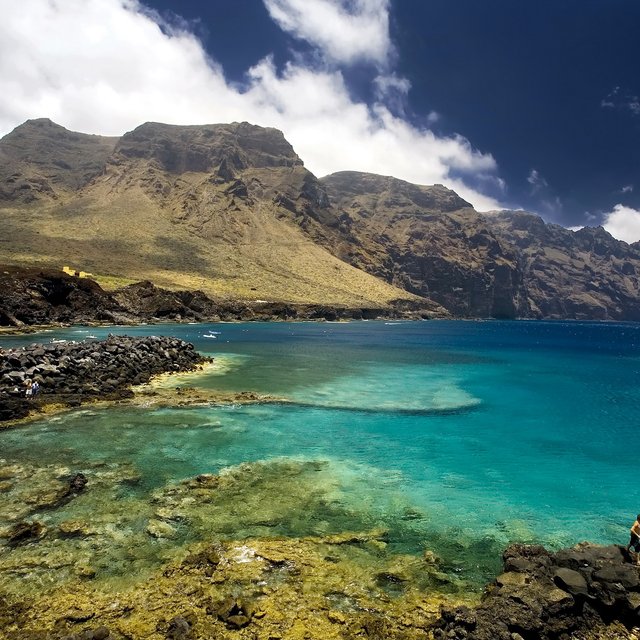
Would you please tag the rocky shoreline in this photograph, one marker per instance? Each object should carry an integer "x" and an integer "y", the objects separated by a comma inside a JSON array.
[
  {"x": 70, "y": 373},
  {"x": 550, "y": 596},
  {"x": 338, "y": 586},
  {"x": 45, "y": 297}
]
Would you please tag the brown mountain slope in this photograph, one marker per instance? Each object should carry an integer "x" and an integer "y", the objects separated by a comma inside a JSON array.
[
  {"x": 429, "y": 241},
  {"x": 42, "y": 159},
  {"x": 582, "y": 274},
  {"x": 230, "y": 209},
  {"x": 507, "y": 264},
  {"x": 209, "y": 207}
]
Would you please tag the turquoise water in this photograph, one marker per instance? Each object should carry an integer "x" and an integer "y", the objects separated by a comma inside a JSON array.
[{"x": 460, "y": 436}]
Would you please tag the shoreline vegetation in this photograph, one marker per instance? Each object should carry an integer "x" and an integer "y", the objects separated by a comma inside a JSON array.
[{"x": 79, "y": 578}]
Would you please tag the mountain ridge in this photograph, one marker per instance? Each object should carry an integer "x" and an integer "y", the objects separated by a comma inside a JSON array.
[{"x": 230, "y": 209}]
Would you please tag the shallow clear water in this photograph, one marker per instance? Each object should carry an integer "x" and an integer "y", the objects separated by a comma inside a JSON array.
[{"x": 462, "y": 436}]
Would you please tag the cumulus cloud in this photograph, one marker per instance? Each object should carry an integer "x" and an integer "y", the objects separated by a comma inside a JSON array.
[
  {"x": 623, "y": 223},
  {"x": 105, "y": 66},
  {"x": 346, "y": 31}
]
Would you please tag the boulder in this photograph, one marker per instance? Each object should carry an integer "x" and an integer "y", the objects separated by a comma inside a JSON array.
[
  {"x": 549, "y": 596},
  {"x": 571, "y": 581}
]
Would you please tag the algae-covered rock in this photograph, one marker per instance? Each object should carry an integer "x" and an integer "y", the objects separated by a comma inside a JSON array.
[
  {"x": 73, "y": 528},
  {"x": 25, "y": 532},
  {"x": 161, "y": 529},
  {"x": 255, "y": 589}
]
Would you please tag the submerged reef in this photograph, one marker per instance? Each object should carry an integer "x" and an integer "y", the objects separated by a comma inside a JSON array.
[
  {"x": 213, "y": 556},
  {"x": 270, "y": 550},
  {"x": 72, "y": 372}
]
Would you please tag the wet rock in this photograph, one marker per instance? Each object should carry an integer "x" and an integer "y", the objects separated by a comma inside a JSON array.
[
  {"x": 512, "y": 579},
  {"x": 77, "y": 483},
  {"x": 206, "y": 560},
  {"x": 179, "y": 629},
  {"x": 161, "y": 529},
  {"x": 25, "y": 532},
  {"x": 85, "y": 571},
  {"x": 551, "y": 596},
  {"x": 101, "y": 633},
  {"x": 234, "y": 613},
  {"x": 237, "y": 621}
]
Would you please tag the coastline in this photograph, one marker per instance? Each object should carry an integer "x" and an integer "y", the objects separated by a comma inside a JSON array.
[{"x": 216, "y": 587}]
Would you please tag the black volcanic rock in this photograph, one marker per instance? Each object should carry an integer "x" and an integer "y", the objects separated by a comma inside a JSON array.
[
  {"x": 46, "y": 296},
  {"x": 73, "y": 371},
  {"x": 549, "y": 596}
]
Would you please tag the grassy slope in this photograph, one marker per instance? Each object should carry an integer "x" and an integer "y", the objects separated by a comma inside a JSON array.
[{"x": 124, "y": 233}]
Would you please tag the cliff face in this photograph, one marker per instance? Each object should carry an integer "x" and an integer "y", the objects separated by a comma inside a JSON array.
[
  {"x": 231, "y": 210},
  {"x": 586, "y": 274},
  {"x": 506, "y": 264},
  {"x": 429, "y": 241}
]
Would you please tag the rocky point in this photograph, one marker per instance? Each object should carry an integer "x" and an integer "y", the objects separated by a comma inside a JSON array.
[{"x": 70, "y": 372}]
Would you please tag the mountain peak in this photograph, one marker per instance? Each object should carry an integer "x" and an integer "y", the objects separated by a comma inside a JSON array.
[
  {"x": 202, "y": 148},
  {"x": 39, "y": 158}
]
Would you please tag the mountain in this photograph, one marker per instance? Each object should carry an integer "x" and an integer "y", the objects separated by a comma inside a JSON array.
[
  {"x": 217, "y": 208},
  {"x": 504, "y": 264},
  {"x": 428, "y": 241},
  {"x": 41, "y": 158},
  {"x": 230, "y": 210}
]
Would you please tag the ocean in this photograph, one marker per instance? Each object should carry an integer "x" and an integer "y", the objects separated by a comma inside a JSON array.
[{"x": 458, "y": 437}]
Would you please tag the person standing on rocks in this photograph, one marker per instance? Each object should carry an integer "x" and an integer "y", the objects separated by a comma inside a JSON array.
[
  {"x": 634, "y": 541},
  {"x": 29, "y": 390}
]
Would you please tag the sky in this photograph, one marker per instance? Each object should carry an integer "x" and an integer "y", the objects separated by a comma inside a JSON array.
[{"x": 511, "y": 103}]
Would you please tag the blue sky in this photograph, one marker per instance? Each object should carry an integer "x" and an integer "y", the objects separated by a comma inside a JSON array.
[{"x": 515, "y": 104}]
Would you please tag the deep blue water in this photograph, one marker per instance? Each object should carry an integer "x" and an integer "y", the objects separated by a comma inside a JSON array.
[{"x": 490, "y": 431}]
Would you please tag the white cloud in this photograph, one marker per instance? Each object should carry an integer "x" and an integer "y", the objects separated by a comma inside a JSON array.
[
  {"x": 536, "y": 181},
  {"x": 628, "y": 188},
  {"x": 390, "y": 87},
  {"x": 105, "y": 66},
  {"x": 346, "y": 31},
  {"x": 623, "y": 223},
  {"x": 616, "y": 99}
]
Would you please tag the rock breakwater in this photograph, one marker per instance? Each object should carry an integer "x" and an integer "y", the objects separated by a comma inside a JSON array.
[
  {"x": 70, "y": 372},
  {"x": 549, "y": 596}
]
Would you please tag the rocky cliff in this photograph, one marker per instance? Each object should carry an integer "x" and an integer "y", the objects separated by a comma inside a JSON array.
[
  {"x": 507, "y": 264},
  {"x": 230, "y": 210}
]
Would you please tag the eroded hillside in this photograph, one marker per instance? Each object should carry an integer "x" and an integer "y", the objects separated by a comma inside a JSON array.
[{"x": 230, "y": 209}]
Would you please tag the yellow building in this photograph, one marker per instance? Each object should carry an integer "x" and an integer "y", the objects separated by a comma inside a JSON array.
[{"x": 77, "y": 274}]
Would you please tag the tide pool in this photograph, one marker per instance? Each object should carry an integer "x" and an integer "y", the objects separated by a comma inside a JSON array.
[{"x": 455, "y": 436}]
